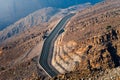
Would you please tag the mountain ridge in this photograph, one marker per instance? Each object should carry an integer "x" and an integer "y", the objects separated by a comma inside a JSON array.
[
  {"x": 13, "y": 10},
  {"x": 40, "y": 17}
]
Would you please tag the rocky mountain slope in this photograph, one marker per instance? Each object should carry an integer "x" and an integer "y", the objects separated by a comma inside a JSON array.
[
  {"x": 89, "y": 48},
  {"x": 91, "y": 41},
  {"x": 23, "y": 40},
  {"x": 109, "y": 74},
  {"x": 41, "y": 17}
]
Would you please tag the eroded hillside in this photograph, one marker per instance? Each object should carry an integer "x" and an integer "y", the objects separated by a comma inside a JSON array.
[
  {"x": 22, "y": 41},
  {"x": 91, "y": 41},
  {"x": 88, "y": 48}
]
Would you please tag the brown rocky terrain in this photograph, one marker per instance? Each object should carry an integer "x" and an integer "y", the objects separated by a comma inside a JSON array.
[
  {"x": 26, "y": 70},
  {"x": 20, "y": 45},
  {"x": 17, "y": 55},
  {"x": 91, "y": 42},
  {"x": 89, "y": 48},
  {"x": 109, "y": 74}
]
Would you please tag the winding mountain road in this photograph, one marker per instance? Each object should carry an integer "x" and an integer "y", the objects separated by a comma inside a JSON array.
[{"x": 48, "y": 46}]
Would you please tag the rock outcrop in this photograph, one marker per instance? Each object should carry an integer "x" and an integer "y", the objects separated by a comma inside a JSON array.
[
  {"x": 97, "y": 53},
  {"x": 90, "y": 42}
]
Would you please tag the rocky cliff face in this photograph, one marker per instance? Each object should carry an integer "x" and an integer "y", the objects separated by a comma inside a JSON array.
[
  {"x": 96, "y": 53},
  {"x": 91, "y": 40}
]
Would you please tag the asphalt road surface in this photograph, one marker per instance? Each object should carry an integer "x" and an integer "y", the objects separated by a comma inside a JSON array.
[{"x": 48, "y": 46}]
